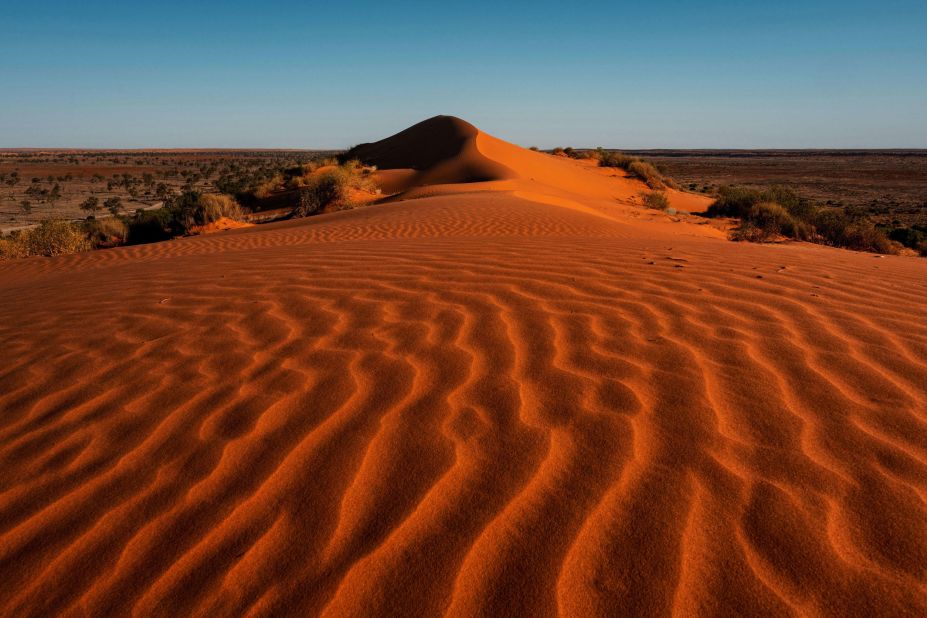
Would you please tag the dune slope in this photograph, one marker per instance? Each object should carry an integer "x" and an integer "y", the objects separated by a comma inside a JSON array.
[{"x": 521, "y": 396}]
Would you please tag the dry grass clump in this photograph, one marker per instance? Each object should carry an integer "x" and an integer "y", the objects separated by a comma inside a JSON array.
[
  {"x": 52, "y": 237},
  {"x": 214, "y": 206},
  {"x": 192, "y": 209},
  {"x": 107, "y": 232}
]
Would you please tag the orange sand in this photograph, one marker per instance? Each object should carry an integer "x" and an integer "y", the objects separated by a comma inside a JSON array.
[{"x": 517, "y": 397}]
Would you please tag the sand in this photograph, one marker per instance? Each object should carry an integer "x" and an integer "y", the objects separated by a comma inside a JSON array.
[{"x": 522, "y": 396}]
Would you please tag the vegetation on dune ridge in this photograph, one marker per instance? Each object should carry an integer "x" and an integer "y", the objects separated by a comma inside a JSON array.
[
  {"x": 775, "y": 212},
  {"x": 636, "y": 167}
]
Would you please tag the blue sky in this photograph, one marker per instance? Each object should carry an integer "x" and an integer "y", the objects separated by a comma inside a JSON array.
[{"x": 626, "y": 75}]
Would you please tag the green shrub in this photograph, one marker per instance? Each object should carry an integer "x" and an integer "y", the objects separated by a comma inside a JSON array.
[
  {"x": 766, "y": 213},
  {"x": 656, "y": 200},
  {"x": 737, "y": 201},
  {"x": 862, "y": 236},
  {"x": 51, "y": 237},
  {"x": 912, "y": 237},
  {"x": 149, "y": 226},
  {"x": 768, "y": 220},
  {"x": 840, "y": 229}
]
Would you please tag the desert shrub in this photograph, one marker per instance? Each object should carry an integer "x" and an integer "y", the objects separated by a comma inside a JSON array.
[
  {"x": 736, "y": 201},
  {"x": 533, "y": 148},
  {"x": 149, "y": 226},
  {"x": 51, "y": 237},
  {"x": 321, "y": 190},
  {"x": 912, "y": 237},
  {"x": 867, "y": 237},
  {"x": 113, "y": 204},
  {"x": 768, "y": 220},
  {"x": 635, "y": 167},
  {"x": 11, "y": 248},
  {"x": 264, "y": 189},
  {"x": 656, "y": 200},
  {"x": 766, "y": 213},
  {"x": 614, "y": 159},
  {"x": 108, "y": 232},
  {"x": 648, "y": 173},
  {"x": 182, "y": 211},
  {"x": 839, "y": 230},
  {"x": 91, "y": 204}
]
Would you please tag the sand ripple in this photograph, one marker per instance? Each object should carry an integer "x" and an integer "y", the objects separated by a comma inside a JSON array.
[{"x": 471, "y": 405}]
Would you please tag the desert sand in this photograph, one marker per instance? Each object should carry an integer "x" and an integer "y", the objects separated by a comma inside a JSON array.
[{"x": 508, "y": 390}]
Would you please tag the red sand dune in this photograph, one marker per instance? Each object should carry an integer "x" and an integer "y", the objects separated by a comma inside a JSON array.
[{"x": 524, "y": 396}]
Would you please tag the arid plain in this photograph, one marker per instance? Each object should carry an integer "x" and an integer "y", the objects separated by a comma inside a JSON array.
[{"x": 507, "y": 390}]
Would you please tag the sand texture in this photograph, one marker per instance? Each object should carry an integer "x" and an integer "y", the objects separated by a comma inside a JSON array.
[{"x": 509, "y": 390}]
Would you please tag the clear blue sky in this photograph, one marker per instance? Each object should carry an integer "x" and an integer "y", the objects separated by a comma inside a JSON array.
[{"x": 298, "y": 74}]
